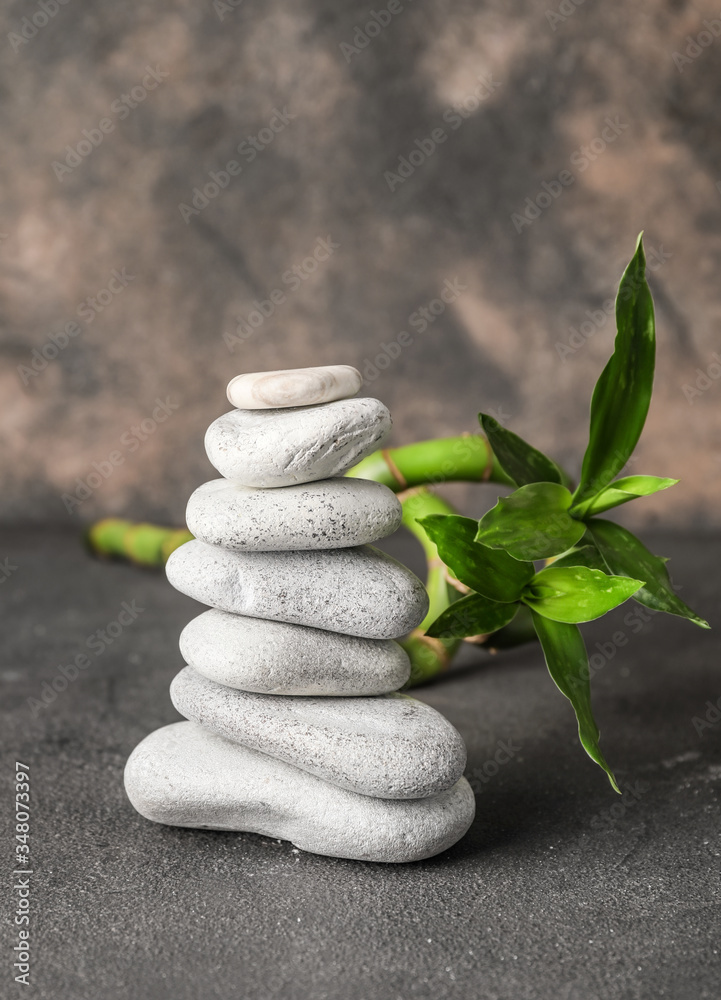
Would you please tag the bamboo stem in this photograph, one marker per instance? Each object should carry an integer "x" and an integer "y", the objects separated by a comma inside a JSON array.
[
  {"x": 143, "y": 544},
  {"x": 429, "y": 656},
  {"x": 466, "y": 458}
]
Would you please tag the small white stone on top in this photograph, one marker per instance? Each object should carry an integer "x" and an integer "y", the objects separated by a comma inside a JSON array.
[{"x": 293, "y": 387}]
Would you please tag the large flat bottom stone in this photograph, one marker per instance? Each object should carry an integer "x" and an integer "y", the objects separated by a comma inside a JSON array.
[{"x": 183, "y": 775}]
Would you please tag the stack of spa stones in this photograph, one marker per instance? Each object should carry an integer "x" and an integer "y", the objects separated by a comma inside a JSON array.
[{"x": 295, "y": 731}]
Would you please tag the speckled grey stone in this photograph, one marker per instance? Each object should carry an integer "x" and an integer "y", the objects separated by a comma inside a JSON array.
[
  {"x": 297, "y": 445},
  {"x": 333, "y": 513},
  {"x": 182, "y": 775},
  {"x": 389, "y": 747},
  {"x": 253, "y": 654},
  {"x": 358, "y": 591}
]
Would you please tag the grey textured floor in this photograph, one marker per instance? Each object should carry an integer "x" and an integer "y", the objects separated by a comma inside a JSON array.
[{"x": 549, "y": 895}]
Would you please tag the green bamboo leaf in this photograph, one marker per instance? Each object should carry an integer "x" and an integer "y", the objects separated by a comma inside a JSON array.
[
  {"x": 567, "y": 662},
  {"x": 523, "y": 463},
  {"x": 577, "y": 594},
  {"x": 583, "y": 555},
  {"x": 625, "y": 555},
  {"x": 490, "y": 572},
  {"x": 472, "y": 615},
  {"x": 623, "y": 490},
  {"x": 532, "y": 523},
  {"x": 623, "y": 392}
]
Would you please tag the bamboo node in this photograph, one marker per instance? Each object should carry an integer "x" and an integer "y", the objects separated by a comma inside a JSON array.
[
  {"x": 435, "y": 645},
  {"x": 477, "y": 640},
  {"x": 393, "y": 469},
  {"x": 486, "y": 475},
  {"x": 453, "y": 582}
]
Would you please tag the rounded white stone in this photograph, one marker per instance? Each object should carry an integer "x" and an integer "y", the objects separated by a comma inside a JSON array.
[
  {"x": 330, "y": 514},
  {"x": 272, "y": 448},
  {"x": 293, "y": 387},
  {"x": 182, "y": 775},
  {"x": 253, "y": 654},
  {"x": 358, "y": 591},
  {"x": 388, "y": 747}
]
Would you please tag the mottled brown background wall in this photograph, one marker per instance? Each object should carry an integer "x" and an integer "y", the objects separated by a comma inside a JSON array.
[{"x": 112, "y": 114}]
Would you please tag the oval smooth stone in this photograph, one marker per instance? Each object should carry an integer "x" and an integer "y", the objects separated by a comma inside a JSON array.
[
  {"x": 293, "y": 387},
  {"x": 267, "y": 657},
  {"x": 359, "y": 591},
  {"x": 271, "y": 448},
  {"x": 330, "y": 514},
  {"x": 388, "y": 747},
  {"x": 182, "y": 775}
]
